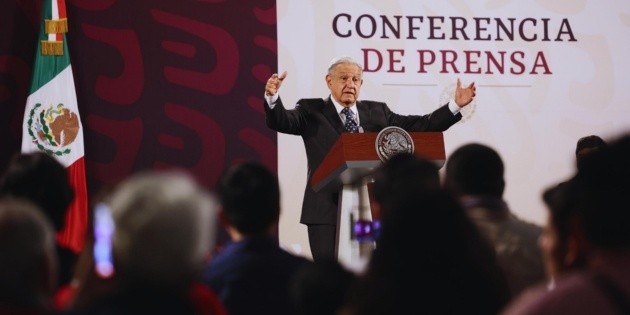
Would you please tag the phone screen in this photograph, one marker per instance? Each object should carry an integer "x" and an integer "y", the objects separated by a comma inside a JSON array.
[
  {"x": 103, "y": 232},
  {"x": 366, "y": 231}
]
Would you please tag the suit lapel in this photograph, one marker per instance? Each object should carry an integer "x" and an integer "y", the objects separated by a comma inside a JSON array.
[
  {"x": 331, "y": 114},
  {"x": 364, "y": 114}
]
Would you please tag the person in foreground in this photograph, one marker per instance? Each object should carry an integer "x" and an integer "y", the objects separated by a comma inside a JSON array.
[
  {"x": 321, "y": 288},
  {"x": 559, "y": 244},
  {"x": 164, "y": 232},
  {"x": 320, "y": 121},
  {"x": 252, "y": 274},
  {"x": 42, "y": 179},
  {"x": 429, "y": 257},
  {"x": 474, "y": 174},
  {"x": 587, "y": 145},
  {"x": 28, "y": 262},
  {"x": 598, "y": 227},
  {"x": 562, "y": 250}
]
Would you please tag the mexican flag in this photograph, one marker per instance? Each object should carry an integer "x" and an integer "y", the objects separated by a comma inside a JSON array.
[{"x": 51, "y": 118}]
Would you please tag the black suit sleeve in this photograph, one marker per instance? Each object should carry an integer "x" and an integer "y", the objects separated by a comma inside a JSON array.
[{"x": 280, "y": 119}]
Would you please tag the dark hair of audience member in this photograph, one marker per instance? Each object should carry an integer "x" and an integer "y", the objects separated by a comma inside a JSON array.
[
  {"x": 602, "y": 186},
  {"x": 477, "y": 170},
  {"x": 255, "y": 181},
  {"x": 320, "y": 288},
  {"x": 561, "y": 222},
  {"x": 402, "y": 175},
  {"x": 41, "y": 179},
  {"x": 587, "y": 145},
  {"x": 28, "y": 266}
]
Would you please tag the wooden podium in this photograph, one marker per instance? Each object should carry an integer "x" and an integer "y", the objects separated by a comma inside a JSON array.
[{"x": 349, "y": 163}]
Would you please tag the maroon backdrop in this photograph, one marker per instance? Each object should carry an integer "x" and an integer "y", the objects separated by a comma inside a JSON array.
[{"x": 160, "y": 83}]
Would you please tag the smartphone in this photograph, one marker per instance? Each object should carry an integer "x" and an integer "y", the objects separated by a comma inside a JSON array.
[{"x": 103, "y": 233}]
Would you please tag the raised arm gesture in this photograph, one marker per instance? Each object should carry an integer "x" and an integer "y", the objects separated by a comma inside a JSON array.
[
  {"x": 274, "y": 83},
  {"x": 463, "y": 96}
]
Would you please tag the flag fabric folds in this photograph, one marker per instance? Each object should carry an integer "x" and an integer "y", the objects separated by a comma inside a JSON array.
[{"x": 51, "y": 118}]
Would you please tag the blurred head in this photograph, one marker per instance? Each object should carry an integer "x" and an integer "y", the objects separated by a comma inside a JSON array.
[
  {"x": 250, "y": 198},
  {"x": 344, "y": 80},
  {"x": 41, "y": 179},
  {"x": 320, "y": 288},
  {"x": 587, "y": 145},
  {"x": 475, "y": 169},
  {"x": 28, "y": 261},
  {"x": 403, "y": 175},
  {"x": 165, "y": 228},
  {"x": 559, "y": 242},
  {"x": 449, "y": 257},
  {"x": 449, "y": 254},
  {"x": 601, "y": 188}
]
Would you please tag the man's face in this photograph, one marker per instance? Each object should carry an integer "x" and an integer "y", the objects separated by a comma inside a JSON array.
[{"x": 345, "y": 83}]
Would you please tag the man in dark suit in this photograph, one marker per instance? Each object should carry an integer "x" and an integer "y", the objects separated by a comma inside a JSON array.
[{"x": 321, "y": 121}]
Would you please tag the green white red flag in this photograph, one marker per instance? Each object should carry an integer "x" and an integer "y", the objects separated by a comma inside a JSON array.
[{"x": 51, "y": 118}]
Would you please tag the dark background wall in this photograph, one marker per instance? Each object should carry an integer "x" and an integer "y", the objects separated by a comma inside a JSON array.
[{"x": 160, "y": 84}]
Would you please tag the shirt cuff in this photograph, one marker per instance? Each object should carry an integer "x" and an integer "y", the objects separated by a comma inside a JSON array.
[
  {"x": 453, "y": 107},
  {"x": 271, "y": 100}
]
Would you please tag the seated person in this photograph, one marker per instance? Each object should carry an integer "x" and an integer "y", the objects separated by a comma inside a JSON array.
[
  {"x": 41, "y": 179},
  {"x": 164, "y": 231},
  {"x": 429, "y": 256},
  {"x": 475, "y": 175},
  {"x": 252, "y": 273},
  {"x": 28, "y": 267}
]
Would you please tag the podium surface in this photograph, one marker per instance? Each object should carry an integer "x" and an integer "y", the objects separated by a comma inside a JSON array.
[{"x": 354, "y": 154}]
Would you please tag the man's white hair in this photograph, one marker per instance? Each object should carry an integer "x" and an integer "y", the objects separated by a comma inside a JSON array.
[
  {"x": 165, "y": 227},
  {"x": 343, "y": 60}
]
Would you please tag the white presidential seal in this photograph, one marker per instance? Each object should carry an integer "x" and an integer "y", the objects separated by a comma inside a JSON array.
[{"x": 391, "y": 141}]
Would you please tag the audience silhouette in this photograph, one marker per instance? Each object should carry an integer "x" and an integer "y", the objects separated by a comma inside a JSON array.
[
  {"x": 43, "y": 180},
  {"x": 561, "y": 248},
  {"x": 558, "y": 242},
  {"x": 429, "y": 256},
  {"x": 475, "y": 176},
  {"x": 596, "y": 197},
  {"x": 28, "y": 266},
  {"x": 456, "y": 241},
  {"x": 587, "y": 145},
  {"x": 251, "y": 274},
  {"x": 165, "y": 229},
  {"x": 321, "y": 288}
]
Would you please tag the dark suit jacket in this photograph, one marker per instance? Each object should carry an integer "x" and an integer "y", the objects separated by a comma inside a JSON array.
[
  {"x": 319, "y": 124},
  {"x": 253, "y": 275}
]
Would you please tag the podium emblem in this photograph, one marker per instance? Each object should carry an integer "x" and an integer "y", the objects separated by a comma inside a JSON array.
[{"x": 391, "y": 141}]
